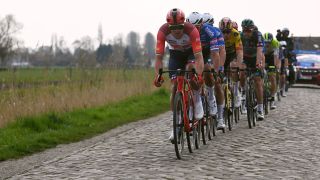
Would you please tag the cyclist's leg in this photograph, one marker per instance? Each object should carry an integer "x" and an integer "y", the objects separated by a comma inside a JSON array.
[
  {"x": 243, "y": 66},
  {"x": 272, "y": 79},
  {"x": 209, "y": 81},
  {"x": 196, "y": 88},
  {"x": 259, "y": 94},
  {"x": 235, "y": 79},
  {"x": 282, "y": 78}
]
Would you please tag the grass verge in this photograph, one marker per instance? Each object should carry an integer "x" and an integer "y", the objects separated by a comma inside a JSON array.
[{"x": 28, "y": 135}]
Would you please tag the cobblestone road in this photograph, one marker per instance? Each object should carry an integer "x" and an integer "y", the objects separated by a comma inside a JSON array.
[{"x": 284, "y": 146}]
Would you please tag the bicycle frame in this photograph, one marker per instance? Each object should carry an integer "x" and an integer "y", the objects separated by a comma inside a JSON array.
[{"x": 183, "y": 87}]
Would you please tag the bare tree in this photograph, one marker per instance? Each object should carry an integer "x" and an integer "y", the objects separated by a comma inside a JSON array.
[
  {"x": 100, "y": 34},
  {"x": 84, "y": 51},
  {"x": 134, "y": 49},
  {"x": 149, "y": 46},
  {"x": 8, "y": 28}
]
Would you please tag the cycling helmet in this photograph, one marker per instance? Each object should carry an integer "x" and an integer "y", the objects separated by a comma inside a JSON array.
[
  {"x": 207, "y": 18},
  {"x": 285, "y": 30},
  {"x": 195, "y": 18},
  {"x": 268, "y": 37},
  {"x": 247, "y": 24},
  {"x": 175, "y": 16},
  {"x": 235, "y": 25},
  {"x": 225, "y": 24}
]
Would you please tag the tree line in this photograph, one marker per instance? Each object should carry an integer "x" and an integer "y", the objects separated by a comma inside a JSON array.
[{"x": 117, "y": 52}]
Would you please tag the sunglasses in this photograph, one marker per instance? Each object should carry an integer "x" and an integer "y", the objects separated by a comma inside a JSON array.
[
  {"x": 248, "y": 30},
  {"x": 227, "y": 31},
  {"x": 176, "y": 27}
]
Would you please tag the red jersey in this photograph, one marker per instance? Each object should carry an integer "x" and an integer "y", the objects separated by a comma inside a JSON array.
[{"x": 190, "y": 39}]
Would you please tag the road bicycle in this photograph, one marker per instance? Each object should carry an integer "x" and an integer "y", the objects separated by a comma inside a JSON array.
[
  {"x": 184, "y": 123},
  {"x": 229, "y": 100},
  {"x": 251, "y": 101},
  {"x": 208, "y": 128},
  {"x": 267, "y": 89}
]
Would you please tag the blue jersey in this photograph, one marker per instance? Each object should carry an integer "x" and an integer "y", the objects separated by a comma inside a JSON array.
[{"x": 211, "y": 37}]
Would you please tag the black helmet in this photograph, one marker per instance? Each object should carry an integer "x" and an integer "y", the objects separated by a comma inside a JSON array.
[{"x": 247, "y": 24}]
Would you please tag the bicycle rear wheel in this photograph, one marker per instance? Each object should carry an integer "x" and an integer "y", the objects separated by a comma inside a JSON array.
[
  {"x": 254, "y": 108},
  {"x": 227, "y": 108},
  {"x": 178, "y": 126},
  {"x": 266, "y": 101},
  {"x": 249, "y": 107},
  {"x": 204, "y": 124}
]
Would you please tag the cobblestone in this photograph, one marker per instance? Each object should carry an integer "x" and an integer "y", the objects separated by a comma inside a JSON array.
[{"x": 284, "y": 146}]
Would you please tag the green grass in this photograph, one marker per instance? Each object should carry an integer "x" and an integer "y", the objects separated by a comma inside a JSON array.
[
  {"x": 40, "y": 75},
  {"x": 33, "y": 134}
]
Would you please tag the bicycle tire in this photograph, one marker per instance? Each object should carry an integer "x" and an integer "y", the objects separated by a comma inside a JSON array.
[
  {"x": 178, "y": 125},
  {"x": 278, "y": 96},
  {"x": 213, "y": 125},
  {"x": 204, "y": 125},
  {"x": 237, "y": 114},
  {"x": 254, "y": 108},
  {"x": 190, "y": 114},
  {"x": 249, "y": 108},
  {"x": 265, "y": 102},
  {"x": 195, "y": 124},
  {"x": 227, "y": 108}
]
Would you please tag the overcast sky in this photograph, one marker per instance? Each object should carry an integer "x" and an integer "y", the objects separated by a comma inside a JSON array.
[{"x": 74, "y": 19}]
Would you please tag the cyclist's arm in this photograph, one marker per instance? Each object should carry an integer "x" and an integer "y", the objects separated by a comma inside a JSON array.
[
  {"x": 199, "y": 62},
  {"x": 239, "y": 51},
  {"x": 197, "y": 50},
  {"x": 259, "y": 56},
  {"x": 259, "y": 49},
  {"x": 222, "y": 54},
  {"x": 215, "y": 57},
  {"x": 159, "y": 51},
  {"x": 276, "y": 56},
  {"x": 158, "y": 64}
]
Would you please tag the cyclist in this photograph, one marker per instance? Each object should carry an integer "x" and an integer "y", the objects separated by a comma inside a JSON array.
[
  {"x": 208, "y": 18},
  {"x": 185, "y": 53},
  {"x": 271, "y": 53},
  {"x": 211, "y": 41},
  {"x": 283, "y": 56},
  {"x": 252, "y": 58},
  {"x": 234, "y": 52},
  {"x": 235, "y": 25},
  {"x": 284, "y": 36}
]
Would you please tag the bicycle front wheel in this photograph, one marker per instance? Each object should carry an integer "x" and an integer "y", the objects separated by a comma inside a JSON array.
[{"x": 178, "y": 126}]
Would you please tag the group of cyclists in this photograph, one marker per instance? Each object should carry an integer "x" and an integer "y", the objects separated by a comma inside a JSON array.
[{"x": 195, "y": 43}]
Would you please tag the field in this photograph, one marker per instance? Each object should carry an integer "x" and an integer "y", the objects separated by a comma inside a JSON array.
[{"x": 26, "y": 92}]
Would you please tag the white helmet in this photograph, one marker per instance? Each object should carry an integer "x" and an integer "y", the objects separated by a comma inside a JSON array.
[
  {"x": 195, "y": 18},
  {"x": 207, "y": 18}
]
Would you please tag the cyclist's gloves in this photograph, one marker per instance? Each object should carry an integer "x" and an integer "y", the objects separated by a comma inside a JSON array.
[
  {"x": 158, "y": 81},
  {"x": 221, "y": 72}
]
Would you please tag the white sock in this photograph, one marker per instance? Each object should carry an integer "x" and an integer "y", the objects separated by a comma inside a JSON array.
[
  {"x": 220, "y": 111},
  {"x": 236, "y": 86},
  {"x": 260, "y": 107},
  {"x": 196, "y": 94}
]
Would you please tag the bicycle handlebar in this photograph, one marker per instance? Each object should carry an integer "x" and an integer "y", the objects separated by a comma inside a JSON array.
[{"x": 178, "y": 71}]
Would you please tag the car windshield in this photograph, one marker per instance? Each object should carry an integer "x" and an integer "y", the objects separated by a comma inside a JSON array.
[{"x": 310, "y": 58}]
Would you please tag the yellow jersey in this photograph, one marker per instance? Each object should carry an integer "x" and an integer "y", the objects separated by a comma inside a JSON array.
[{"x": 232, "y": 44}]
